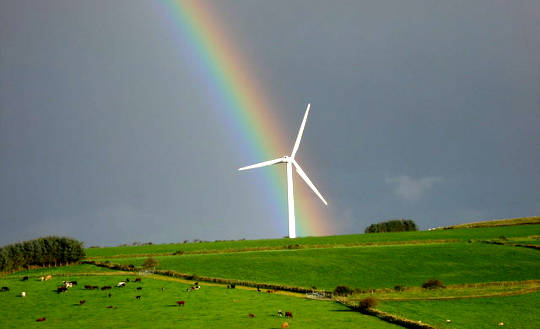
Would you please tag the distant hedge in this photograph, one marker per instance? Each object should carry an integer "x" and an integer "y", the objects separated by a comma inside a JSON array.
[
  {"x": 396, "y": 225},
  {"x": 45, "y": 251}
]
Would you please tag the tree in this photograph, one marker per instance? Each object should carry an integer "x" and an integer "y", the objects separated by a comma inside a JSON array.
[
  {"x": 395, "y": 225},
  {"x": 150, "y": 263}
]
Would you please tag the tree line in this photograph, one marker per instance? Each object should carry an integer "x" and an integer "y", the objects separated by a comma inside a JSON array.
[
  {"x": 395, "y": 225},
  {"x": 47, "y": 251}
]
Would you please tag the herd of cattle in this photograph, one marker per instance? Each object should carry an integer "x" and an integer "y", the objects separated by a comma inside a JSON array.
[{"x": 69, "y": 284}]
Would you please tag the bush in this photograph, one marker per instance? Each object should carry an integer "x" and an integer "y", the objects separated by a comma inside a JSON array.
[
  {"x": 395, "y": 225},
  {"x": 432, "y": 284},
  {"x": 151, "y": 262},
  {"x": 342, "y": 291},
  {"x": 367, "y": 303}
]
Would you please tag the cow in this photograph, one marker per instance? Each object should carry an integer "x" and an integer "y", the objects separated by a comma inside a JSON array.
[
  {"x": 288, "y": 315},
  {"x": 41, "y": 319},
  {"x": 87, "y": 286},
  {"x": 284, "y": 325},
  {"x": 138, "y": 297},
  {"x": 48, "y": 277},
  {"x": 24, "y": 278},
  {"x": 279, "y": 313},
  {"x": 139, "y": 288},
  {"x": 73, "y": 282},
  {"x": 106, "y": 288},
  {"x": 23, "y": 294},
  {"x": 180, "y": 303},
  {"x": 138, "y": 280},
  {"x": 82, "y": 301},
  {"x": 61, "y": 289},
  {"x": 42, "y": 278},
  {"x": 5, "y": 289},
  {"x": 110, "y": 295},
  {"x": 251, "y": 315},
  {"x": 68, "y": 284},
  {"x": 127, "y": 279},
  {"x": 121, "y": 284}
]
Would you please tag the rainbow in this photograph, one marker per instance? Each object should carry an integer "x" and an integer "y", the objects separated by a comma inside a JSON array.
[{"x": 223, "y": 69}]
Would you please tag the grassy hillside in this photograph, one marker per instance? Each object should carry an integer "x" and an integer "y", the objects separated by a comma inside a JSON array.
[
  {"x": 364, "y": 267},
  {"x": 499, "y": 222},
  {"x": 327, "y": 241},
  {"x": 517, "y": 312},
  {"x": 208, "y": 307}
]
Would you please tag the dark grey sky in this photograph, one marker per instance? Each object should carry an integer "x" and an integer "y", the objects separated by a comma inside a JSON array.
[{"x": 427, "y": 110}]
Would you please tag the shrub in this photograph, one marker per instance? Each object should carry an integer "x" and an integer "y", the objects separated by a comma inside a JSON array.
[
  {"x": 342, "y": 291},
  {"x": 367, "y": 303},
  {"x": 432, "y": 284},
  {"x": 151, "y": 262}
]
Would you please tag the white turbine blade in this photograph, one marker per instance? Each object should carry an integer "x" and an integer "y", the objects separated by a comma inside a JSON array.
[
  {"x": 299, "y": 137},
  {"x": 262, "y": 164},
  {"x": 308, "y": 181}
]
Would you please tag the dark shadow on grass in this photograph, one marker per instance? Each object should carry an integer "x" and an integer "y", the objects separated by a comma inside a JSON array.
[{"x": 348, "y": 310}]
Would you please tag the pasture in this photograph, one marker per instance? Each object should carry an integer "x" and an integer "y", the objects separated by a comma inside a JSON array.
[
  {"x": 363, "y": 267},
  {"x": 489, "y": 277},
  {"x": 210, "y": 306},
  {"x": 516, "y": 312},
  {"x": 464, "y": 235}
]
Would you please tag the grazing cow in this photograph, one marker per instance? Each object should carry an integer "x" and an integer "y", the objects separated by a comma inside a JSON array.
[
  {"x": 121, "y": 284},
  {"x": 73, "y": 283},
  {"x": 48, "y": 277},
  {"x": 138, "y": 297},
  {"x": 41, "y": 319},
  {"x": 89, "y": 287},
  {"x": 139, "y": 288},
  {"x": 5, "y": 289},
  {"x": 82, "y": 301},
  {"x": 279, "y": 313},
  {"x": 68, "y": 284},
  {"x": 23, "y": 294},
  {"x": 251, "y": 315},
  {"x": 180, "y": 303},
  {"x": 110, "y": 306},
  {"x": 138, "y": 280},
  {"x": 61, "y": 289},
  {"x": 288, "y": 315},
  {"x": 42, "y": 278},
  {"x": 127, "y": 279},
  {"x": 284, "y": 325},
  {"x": 24, "y": 278},
  {"x": 106, "y": 288}
]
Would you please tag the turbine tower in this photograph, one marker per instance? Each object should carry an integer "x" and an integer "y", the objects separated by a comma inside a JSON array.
[{"x": 290, "y": 161}]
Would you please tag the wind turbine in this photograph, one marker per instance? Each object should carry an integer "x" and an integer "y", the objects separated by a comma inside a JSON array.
[{"x": 290, "y": 161}]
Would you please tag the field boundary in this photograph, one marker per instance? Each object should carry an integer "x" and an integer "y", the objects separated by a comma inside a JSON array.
[
  {"x": 388, "y": 317},
  {"x": 274, "y": 248}
]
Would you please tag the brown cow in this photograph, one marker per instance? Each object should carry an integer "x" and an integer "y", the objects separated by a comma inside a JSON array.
[
  {"x": 251, "y": 315},
  {"x": 48, "y": 277},
  {"x": 288, "y": 315},
  {"x": 138, "y": 280},
  {"x": 180, "y": 303},
  {"x": 82, "y": 301},
  {"x": 41, "y": 319}
]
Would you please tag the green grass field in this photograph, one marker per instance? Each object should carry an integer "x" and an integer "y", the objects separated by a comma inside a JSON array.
[
  {"x": 516, "y": 312},
  {"x": 458, "y": 257},
  {"x": 364, "y": 267},
  {"x": 339, "y": 240},
  {"x": 209, "y": 307}
]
